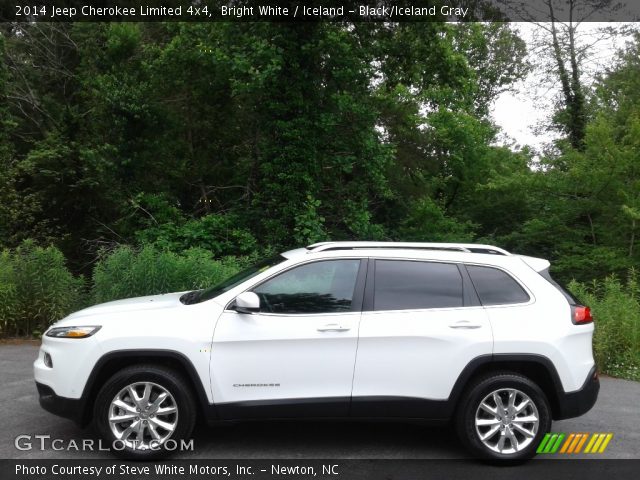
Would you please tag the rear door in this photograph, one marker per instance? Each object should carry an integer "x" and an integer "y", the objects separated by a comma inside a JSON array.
[{"x": 421, "y": 326}]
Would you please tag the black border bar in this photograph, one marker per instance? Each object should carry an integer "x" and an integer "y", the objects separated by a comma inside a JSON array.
[
  {"x": 301, "y": 469},
  {"x": 316, "y": 11}
]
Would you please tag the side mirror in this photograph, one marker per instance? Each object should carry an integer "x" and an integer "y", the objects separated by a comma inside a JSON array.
[{"x": 247, "y": 302}]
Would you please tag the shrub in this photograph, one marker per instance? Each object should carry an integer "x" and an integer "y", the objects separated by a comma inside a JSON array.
[
  {"x": 126, "y": 272},
  {"x": 8, "y": 294},
  {"x": 36, "y": 289},
  {"x": 616, "y": 309},
  {"x": 219, "y": 234}
]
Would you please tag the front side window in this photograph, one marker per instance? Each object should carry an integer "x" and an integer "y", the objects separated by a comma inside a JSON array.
[
  {"x": 319, "y": 287},
  {"x": 411, "y": 285},
  {"x": 495, "y": 287}
]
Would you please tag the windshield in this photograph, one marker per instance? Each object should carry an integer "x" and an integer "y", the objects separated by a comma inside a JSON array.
[{"x": 198, "y": 296}]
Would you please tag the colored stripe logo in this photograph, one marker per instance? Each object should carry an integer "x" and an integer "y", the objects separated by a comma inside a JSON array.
[{"x": 574, "y": 443}]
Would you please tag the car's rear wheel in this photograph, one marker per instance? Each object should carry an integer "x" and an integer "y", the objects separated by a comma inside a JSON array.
[
  {"x": 144, "y": 411},
  {"x": 503, "y": 416}
]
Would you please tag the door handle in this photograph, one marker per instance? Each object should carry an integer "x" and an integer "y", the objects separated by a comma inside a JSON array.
[
  {"x": 465, "y": 325},
  {"x": 333, "y": 327}
]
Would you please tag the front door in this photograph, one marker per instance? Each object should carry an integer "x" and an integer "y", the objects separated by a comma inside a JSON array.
[{"x": 295, "y": 357}]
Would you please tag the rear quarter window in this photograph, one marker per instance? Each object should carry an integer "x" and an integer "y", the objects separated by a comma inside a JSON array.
[{"x": 496, "y": 287}]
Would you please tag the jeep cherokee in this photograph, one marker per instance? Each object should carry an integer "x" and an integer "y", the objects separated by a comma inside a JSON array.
[{"x": 358, "y": 330}]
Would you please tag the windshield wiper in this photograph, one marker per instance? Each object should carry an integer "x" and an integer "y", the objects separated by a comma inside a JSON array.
[{"x": 190, "y": 298}]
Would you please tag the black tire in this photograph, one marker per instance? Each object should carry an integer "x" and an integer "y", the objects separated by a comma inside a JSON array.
[
  {"x": 163, "y": 377},
  {"x": 470, "y": 403}
]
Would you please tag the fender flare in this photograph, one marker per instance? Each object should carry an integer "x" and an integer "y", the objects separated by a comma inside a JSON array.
[
  {"x": 92, "y": 385},
  {"x": 478, "y": 363}
]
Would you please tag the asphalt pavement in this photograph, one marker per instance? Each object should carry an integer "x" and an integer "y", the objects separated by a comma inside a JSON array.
[{"x": 617, "y": 411}]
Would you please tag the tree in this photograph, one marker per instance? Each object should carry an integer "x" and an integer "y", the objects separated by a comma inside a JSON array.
[
  {"x": 584, "y": 202},
  {"x": 436, "y": 84},
  {"x": 218, "y": 134},
  {"x": 564, "y": 50},
  {"x": 8, "y": 196}
]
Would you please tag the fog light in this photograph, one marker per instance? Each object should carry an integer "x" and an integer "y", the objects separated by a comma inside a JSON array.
[{"x": 47, "y": 360}]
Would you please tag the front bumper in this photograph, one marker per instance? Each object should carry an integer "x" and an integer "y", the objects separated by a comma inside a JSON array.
[
  {"x": 574, "y": 404},
  {"x": 71, "y": 408}
]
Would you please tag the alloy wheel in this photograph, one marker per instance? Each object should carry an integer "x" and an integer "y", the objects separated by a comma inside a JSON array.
[
  {"x": 507, "y": 421},
  {"x": 143, "y": 415}
]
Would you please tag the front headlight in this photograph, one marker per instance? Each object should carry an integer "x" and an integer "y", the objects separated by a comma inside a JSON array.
[{"x": 73, "y": 332}]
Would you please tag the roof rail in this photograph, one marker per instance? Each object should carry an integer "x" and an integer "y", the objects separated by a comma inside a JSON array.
[{"x": 458, "y": 247}]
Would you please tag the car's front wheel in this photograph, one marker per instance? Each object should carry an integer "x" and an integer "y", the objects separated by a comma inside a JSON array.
[
  {"x": 503, "y": 416},
  {"x": 143, "y": 411}
]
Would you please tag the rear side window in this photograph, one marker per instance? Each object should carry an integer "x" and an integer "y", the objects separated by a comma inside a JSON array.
[
  {"x": 407, "y": 285},
  {"x": 496, "y": 287}
]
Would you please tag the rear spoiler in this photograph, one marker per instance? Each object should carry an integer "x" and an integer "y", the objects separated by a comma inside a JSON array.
[
  {"x": 538, "y": 264},
  {"x": 541, "y": 266}
]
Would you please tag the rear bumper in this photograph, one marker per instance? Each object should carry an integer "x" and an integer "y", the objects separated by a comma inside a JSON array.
[
  {"x": 574, "y": 404},
  {"x": 71, "y": 408}
]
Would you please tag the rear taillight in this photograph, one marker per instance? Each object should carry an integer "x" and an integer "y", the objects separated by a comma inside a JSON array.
[{"x": 581, "y": 315}]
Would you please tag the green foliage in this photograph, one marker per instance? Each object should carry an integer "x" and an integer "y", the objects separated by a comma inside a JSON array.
[
  {"x": 588, "y": 261},
  {"x": 582, "y": 204},
  {"x": 127, "y": 272},
  {"x": 308, "y": 227},
  {"x": 219, "y": 234},
  {"x": 36, "y": 289},
  {"x": 616, "y": 309},
  {"x": 165, "y": 226},
  {"x": 213, "y": 135},
  {"x": 427, "y": 222},
  {"x": 9, "y": 303},
  {"x": 318, "y": 159},
  {"x": 234, "y": 138}
]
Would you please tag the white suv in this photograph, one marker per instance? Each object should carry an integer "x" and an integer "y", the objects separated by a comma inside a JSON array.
[{"x": 427, "y": 331}]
